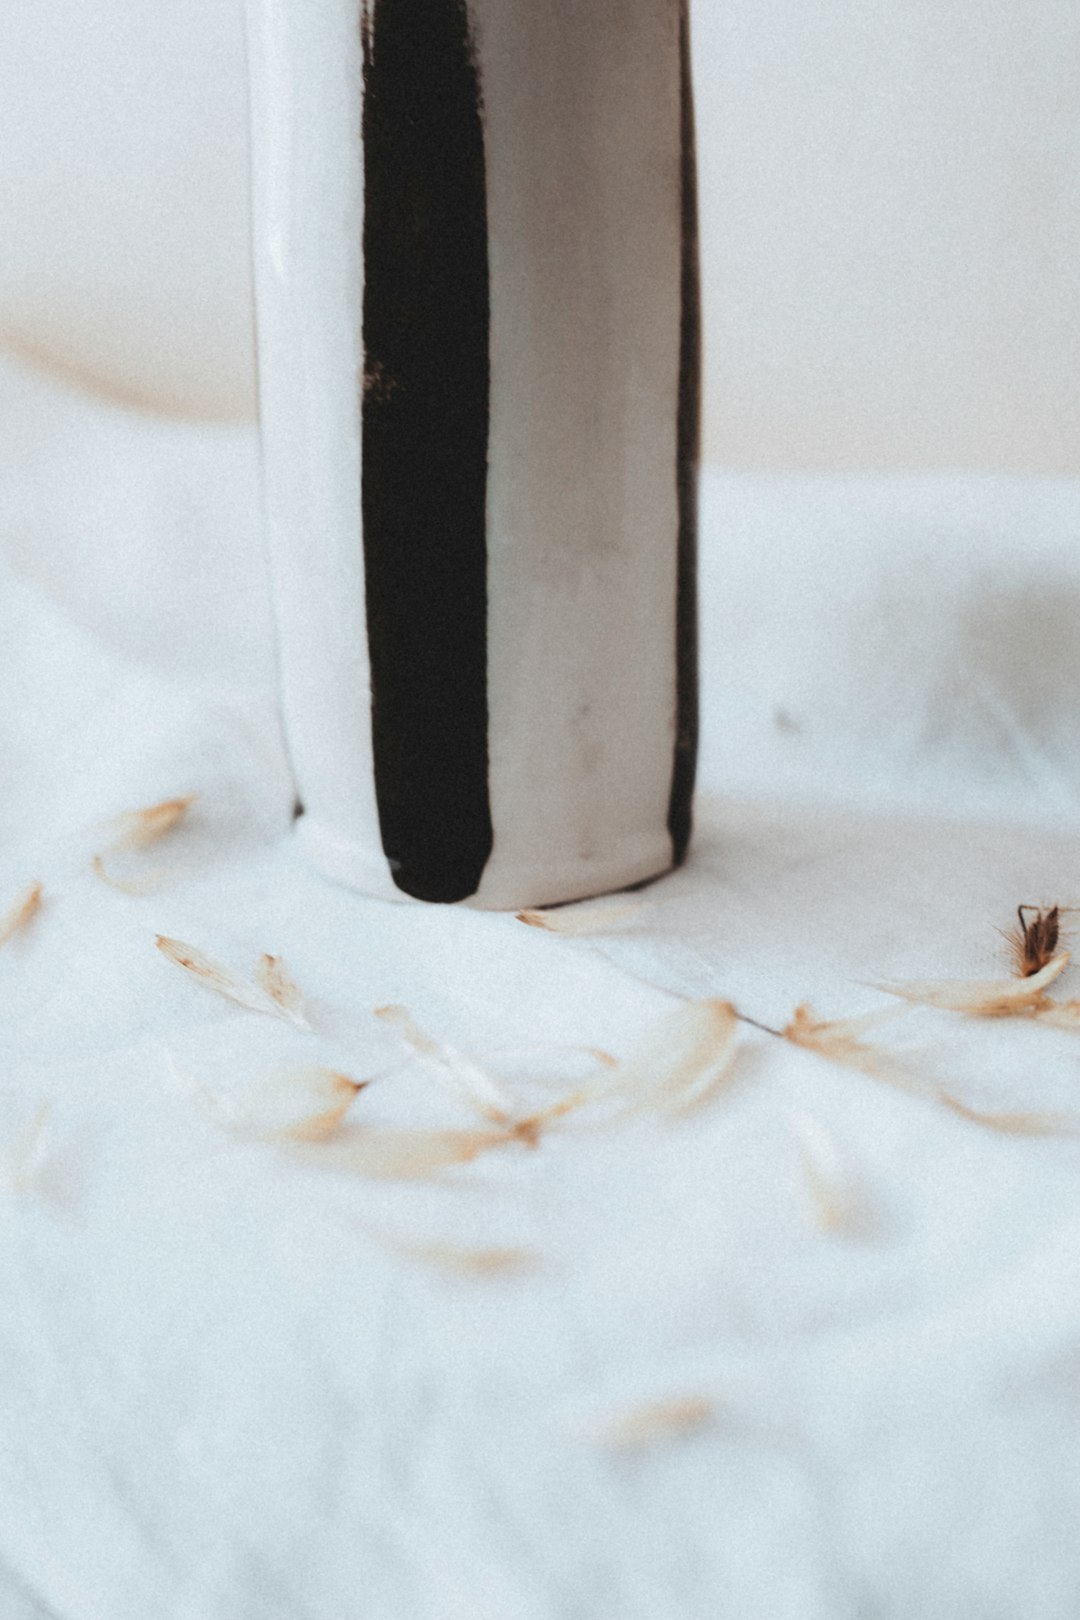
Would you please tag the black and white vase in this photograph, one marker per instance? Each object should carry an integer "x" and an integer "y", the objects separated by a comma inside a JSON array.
[{"x": 478, "y": 338}]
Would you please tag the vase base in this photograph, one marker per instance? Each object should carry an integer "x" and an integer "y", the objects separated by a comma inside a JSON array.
[{"x": 503, "y": 888}]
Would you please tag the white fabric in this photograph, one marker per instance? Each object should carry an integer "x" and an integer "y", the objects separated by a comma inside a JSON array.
[{"x": 225, "y": 1396}]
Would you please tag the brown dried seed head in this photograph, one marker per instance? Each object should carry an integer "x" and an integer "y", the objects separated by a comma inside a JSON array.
[{"x": 1034, "y": 943}]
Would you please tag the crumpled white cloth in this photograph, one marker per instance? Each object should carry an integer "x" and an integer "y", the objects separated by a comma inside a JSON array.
[{"x": 231, "y": 1389}]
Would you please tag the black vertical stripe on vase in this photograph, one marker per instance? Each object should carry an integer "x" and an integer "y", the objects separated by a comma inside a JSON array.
[
  {"x": 426, "y": 413},
  {"x": 680, "y": 809}
]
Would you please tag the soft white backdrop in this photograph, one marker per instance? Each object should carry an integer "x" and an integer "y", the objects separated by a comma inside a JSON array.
[
  {"x": 224, "y": 1396},
  {"x": 890, "y": 220}
]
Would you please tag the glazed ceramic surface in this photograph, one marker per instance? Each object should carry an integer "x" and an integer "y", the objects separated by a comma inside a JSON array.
[{"x": 478, "y": 346}]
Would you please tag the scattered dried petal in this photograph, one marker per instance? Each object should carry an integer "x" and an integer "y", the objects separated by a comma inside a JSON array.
[
  {"x": 1014, "y": 1124},
  {"x": 1009, "y": 998},
  {"x": 28, "y": 1151},
  {"x": 451, "y": 1068},
  {"x": 21, "y": 912},
  {"x": 689, "y": 1058},
  {"x": 135, "y": 886},
  {"x": 840, "y": 1042},
  {"x": 140, "y": 828},
  {"x": 275, "y": 979},
  {"x": 466, "y": 1262},
  {"x": 403, "y": 1155},
  {"x": 315, "y": 1084},
  {"x": 652, "y": 1421},
  {"x": 137, "y": 830},
  {"x": 303, "y": 1104},
  {"x": 223, "y": 982},
  {"x": 834, "y": 1206},
  {"x": 220, "y": 1110},
  {"x": 578, "y": 923}
]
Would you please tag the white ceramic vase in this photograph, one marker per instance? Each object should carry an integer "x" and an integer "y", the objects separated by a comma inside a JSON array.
[{"x": 478, "y": 333}]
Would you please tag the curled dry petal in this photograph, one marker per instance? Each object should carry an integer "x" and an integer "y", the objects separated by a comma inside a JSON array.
[
  {"x": 136, "y": 886},
  {"x": 451, "y": 1068},
  {"x": 24, "y": 908},
  {"x": 1007, "y": 998},
  {"x": 650, "y": 1422},
  {"x": 136, "y": 830},
  {"x": 212, "y": 976},
  {"x": 689, "y": 1057}
]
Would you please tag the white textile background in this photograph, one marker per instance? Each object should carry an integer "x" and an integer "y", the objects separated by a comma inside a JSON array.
[{"x": 225, "y": 1395}]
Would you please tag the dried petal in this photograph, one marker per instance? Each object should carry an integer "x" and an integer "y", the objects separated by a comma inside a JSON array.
[
  {"x": 1014, "y": 1124},
  {"x": 140, "y": 828},
  {"x": 137, "y": 830},
  {"x": 316, "y": 1085},
  {"x": 275, "y": 979},
  {"x": 578, "y": 923},
  {"x": 303, "y": 1104},
  {"x": 402, "y": 1155},
  {"x": 840, "y": 1042},
  {"x": 831, "y": 1196},
  {"x": 28, "y": 1151},
  {"x": 212, "y": 976},
  {"x": 689, "y": 1058},
  {"x": 1008, "y": 998},
  {"x": 135, "y": 886},
  {"x": 470, "y": 1262},
  {"x": 651, "y": 1421},
  {"x": 21, "y": 912},
  {"x": 451, "y": 1068}
]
